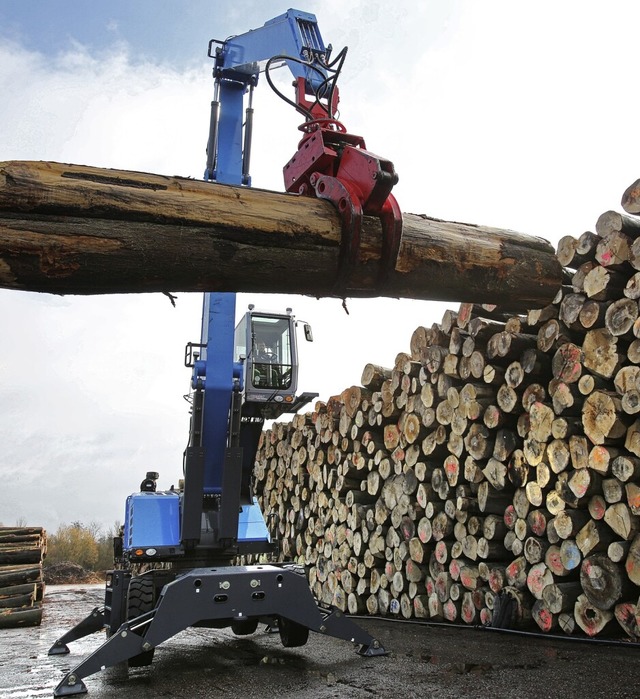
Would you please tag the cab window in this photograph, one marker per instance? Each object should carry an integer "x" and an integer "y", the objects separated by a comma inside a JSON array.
[{"x": 271, "y": 364}]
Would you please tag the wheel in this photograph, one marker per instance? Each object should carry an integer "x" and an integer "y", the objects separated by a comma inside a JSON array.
[
  {"x": 292, "y": 634},
  {"x": 141, "y": 599},
  {"x": 245, "y": 627}
]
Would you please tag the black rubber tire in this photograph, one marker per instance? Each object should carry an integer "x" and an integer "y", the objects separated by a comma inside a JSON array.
[
  {"x": 292, "y": 634},
  {"x": 141, "y": 599},
  {"x": 245, "y": 627}
]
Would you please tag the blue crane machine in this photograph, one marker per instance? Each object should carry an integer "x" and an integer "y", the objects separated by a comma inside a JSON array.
[{"x": 185, "y": 539}]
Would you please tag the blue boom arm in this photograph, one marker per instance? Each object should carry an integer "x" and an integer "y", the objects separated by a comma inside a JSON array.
[{"x": 238, "y": 62}]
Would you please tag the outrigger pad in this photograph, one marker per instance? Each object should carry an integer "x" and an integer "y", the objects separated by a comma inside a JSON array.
[
  {"x": 372, "y": 651},
  {"x": 72, "y": 686},
  {"x": 59, "y": 648}
]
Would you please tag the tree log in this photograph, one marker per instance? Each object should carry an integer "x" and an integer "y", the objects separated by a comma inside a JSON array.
[
  {"x": 544, "y": 618},
  {"x": 603, "y": 581},
  {"x": 632, "y": 564},
  {"x": 71, "y": 229},
  {"x": 590, "y": 618},
  {"x": 631, "y": 198},
  {"x": 12, "y": 618},
  {"x": 614, "y": 222},
  {"x": 625, "y": 615},
  {"x": 560, "y": 597}
]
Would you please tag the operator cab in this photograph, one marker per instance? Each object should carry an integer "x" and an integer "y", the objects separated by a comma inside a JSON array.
[{"x": 265, "y": 344}]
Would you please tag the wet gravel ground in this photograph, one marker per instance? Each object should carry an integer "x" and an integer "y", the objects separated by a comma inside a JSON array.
[{"x": 440, "y": 662}]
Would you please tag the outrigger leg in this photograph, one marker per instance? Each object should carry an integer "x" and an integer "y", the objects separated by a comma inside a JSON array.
[{"x": 92, "y": 623}]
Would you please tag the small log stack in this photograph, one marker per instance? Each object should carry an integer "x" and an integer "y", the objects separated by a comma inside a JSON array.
[
  {"x": 500, "y": 455},
  {"x": 21, "y": 583}
]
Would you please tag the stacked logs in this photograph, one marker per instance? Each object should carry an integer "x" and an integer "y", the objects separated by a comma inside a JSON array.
[
  {"x": 499, "y": 458},
  {"x": 21, "y": 583}
]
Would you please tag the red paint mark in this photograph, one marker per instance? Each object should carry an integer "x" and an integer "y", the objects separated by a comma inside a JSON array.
[{"x": 545, "y": 619}]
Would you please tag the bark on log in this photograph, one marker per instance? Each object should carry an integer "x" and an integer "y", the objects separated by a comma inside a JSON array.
[
  {"x": 12, "y": 618},
  {"x": 20, "y": 556},
  {"x": 19, "y": 574},
  {"x": 17, "y": 601},
  {"x": 70, "y": 229}
]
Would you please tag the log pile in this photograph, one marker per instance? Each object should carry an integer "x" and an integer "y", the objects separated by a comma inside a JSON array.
[
  {"x": 498, "y": 459},
  {"x": 21, "y": 583}
]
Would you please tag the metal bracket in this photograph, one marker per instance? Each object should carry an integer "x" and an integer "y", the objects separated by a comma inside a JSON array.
[
  {"x": 372, "y": 651},
  {"x": 72, "y": 685},
  {"x": 350, "y": 211},
  {"x": 202, "y": 595},
  {"x": 346, "y": 200},
  {"x": 391, "y": 218}
]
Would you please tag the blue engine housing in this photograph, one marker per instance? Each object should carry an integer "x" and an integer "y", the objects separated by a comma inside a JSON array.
[
  {"x": 152, "y": 525},
  {"x": 152, "y": 521}
]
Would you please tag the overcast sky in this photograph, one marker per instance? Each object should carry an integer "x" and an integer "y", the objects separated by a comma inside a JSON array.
[{"x": 511, "y": 114}]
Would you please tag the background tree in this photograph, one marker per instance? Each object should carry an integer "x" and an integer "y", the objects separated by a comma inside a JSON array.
[
  {"x": 75, "y": 543},
  {"x": 86, "y": 545},
  {"x": 105, "y": 547}
]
